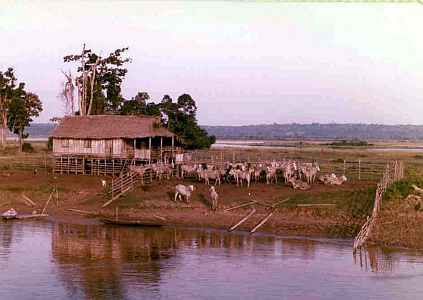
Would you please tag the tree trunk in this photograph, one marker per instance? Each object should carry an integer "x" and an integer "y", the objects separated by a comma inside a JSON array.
[
  {"x": 3, "y": 144},
  {"x": 20, "y": 141},
  {"x": 3, "y": 130}
]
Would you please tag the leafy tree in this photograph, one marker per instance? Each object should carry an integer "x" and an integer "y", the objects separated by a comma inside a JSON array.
[
  {"x": 179, "y": 117},
  {"x": 22, "y": 109},
  {"x": 99, "y": 80},
  {"x": 138, "y": 105},
  {"x": 187, "y": 105}
]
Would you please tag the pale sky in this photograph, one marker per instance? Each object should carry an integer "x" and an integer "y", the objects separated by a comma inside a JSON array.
[{"x": 243, "y": 62}]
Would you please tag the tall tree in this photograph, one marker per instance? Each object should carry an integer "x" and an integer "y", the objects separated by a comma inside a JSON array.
[
  {"x": 22, "y": 109},
  {"x": 99, "y": 80},
  {"x": 7, "y": 91}
]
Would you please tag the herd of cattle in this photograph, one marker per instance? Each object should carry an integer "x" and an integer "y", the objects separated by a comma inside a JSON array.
[{"x": 299, "y": 175}]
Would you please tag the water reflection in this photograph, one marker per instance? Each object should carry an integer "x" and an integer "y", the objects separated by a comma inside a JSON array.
[
  {"x": 69, "y": 261},
  {"x": 376, "y": 259}
]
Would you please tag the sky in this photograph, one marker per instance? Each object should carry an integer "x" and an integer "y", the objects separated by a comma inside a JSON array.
[{"x": 243, "y": 62}]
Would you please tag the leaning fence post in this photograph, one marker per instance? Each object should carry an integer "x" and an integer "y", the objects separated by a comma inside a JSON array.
[{"x": 344, "y": 167}]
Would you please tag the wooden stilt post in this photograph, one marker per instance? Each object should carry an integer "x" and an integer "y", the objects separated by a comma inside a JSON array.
[
  {"x": 161, "y": 149},
  {"x": 149, "y": 148},
  {"x": 173, "y": 146},
  {"x": 135, "y": 146}
]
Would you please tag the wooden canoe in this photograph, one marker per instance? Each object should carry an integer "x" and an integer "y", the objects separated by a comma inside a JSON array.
[{"x": 130, "y": 222}]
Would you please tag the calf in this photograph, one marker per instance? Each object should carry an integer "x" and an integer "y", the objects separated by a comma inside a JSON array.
[{"x": 214, "y": 198}]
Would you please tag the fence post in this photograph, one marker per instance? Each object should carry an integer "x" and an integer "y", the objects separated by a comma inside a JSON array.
[
  {"x": 359, "y": 169},
  {"x": 344, "y": 167}
]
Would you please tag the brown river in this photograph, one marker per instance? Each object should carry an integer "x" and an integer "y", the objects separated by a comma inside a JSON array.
[{"x": 68, "y": 261}]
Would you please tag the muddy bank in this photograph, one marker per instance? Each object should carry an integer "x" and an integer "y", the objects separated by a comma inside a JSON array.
[
  {"x": 155, "y": 203},
  {"x": 281, "y": 223}
]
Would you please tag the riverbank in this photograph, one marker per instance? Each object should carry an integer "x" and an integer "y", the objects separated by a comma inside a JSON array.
[{"x": 336, "y": 217}]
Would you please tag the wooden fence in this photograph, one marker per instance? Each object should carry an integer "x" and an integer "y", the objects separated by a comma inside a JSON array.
[
  {"x": 27, "y": 162},
  {"x": 394, "y": 171},
  {"x": 131, "y": 178}
]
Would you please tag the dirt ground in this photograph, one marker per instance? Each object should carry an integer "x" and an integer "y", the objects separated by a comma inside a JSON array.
[{"x": 154, "y": 202}]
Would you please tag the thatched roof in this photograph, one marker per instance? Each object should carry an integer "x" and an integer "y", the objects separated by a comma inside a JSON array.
[{"x": 108, "y": 127}]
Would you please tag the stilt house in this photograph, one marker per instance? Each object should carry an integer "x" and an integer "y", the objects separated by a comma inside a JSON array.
[{"x": 104, "y": 144}]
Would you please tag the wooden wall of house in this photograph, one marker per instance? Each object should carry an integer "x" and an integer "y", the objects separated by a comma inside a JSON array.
[{"x": 88, "y": 147}]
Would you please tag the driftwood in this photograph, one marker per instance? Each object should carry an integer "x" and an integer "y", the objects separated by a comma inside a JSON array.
[
  {"x": 47, "y": 202},
  {"x": 82, "y": 212},
  {"x": 242, "y": 220},
  {"x": 316, "y": 204},
  {"x": 159, "y": 217},
  {"x": 241, "y": 205},
  {"x": 263, "y": 221},
  {"x": 28, "y": 201}
]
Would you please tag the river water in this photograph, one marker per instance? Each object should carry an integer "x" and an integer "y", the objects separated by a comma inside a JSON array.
[{"x": 65, "y": 261}]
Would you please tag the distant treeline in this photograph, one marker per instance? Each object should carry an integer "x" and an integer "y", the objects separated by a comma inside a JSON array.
[
  {"x": 286, "y": 131},
  {"x": 317, "y": 131}
]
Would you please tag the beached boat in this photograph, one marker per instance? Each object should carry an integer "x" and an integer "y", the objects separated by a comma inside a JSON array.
[
  {"x": 10, "y": 214},
  {"x": 130, "y": 222}
]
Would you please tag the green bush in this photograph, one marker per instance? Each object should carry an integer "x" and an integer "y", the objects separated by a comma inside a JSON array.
[{"x": 402, "y": 188}]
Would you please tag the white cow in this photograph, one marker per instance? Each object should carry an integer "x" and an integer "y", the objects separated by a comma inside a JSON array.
[{"x": 182, "y": 190}]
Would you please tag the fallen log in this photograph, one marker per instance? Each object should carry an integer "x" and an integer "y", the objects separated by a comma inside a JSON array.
[
  {"x": 263, "y": 221},
  {"x": 242, "y": 220}
]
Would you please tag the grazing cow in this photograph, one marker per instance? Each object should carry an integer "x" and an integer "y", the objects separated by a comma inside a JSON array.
[
  {"x": 212, "y": 174},
  {"x": 271, "y": 175},
  {"x": 289, "y": 171},
  {"x": 257, "y": 173},
  {"x": 245, "y": 176},
  {"x": 310, "y": 172},
  {"x": 214, "y": 198},
  {"x": 235, "y": 174},
  {"x": 188, "y": 170},
  {"x": 182, "y": 190}
]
